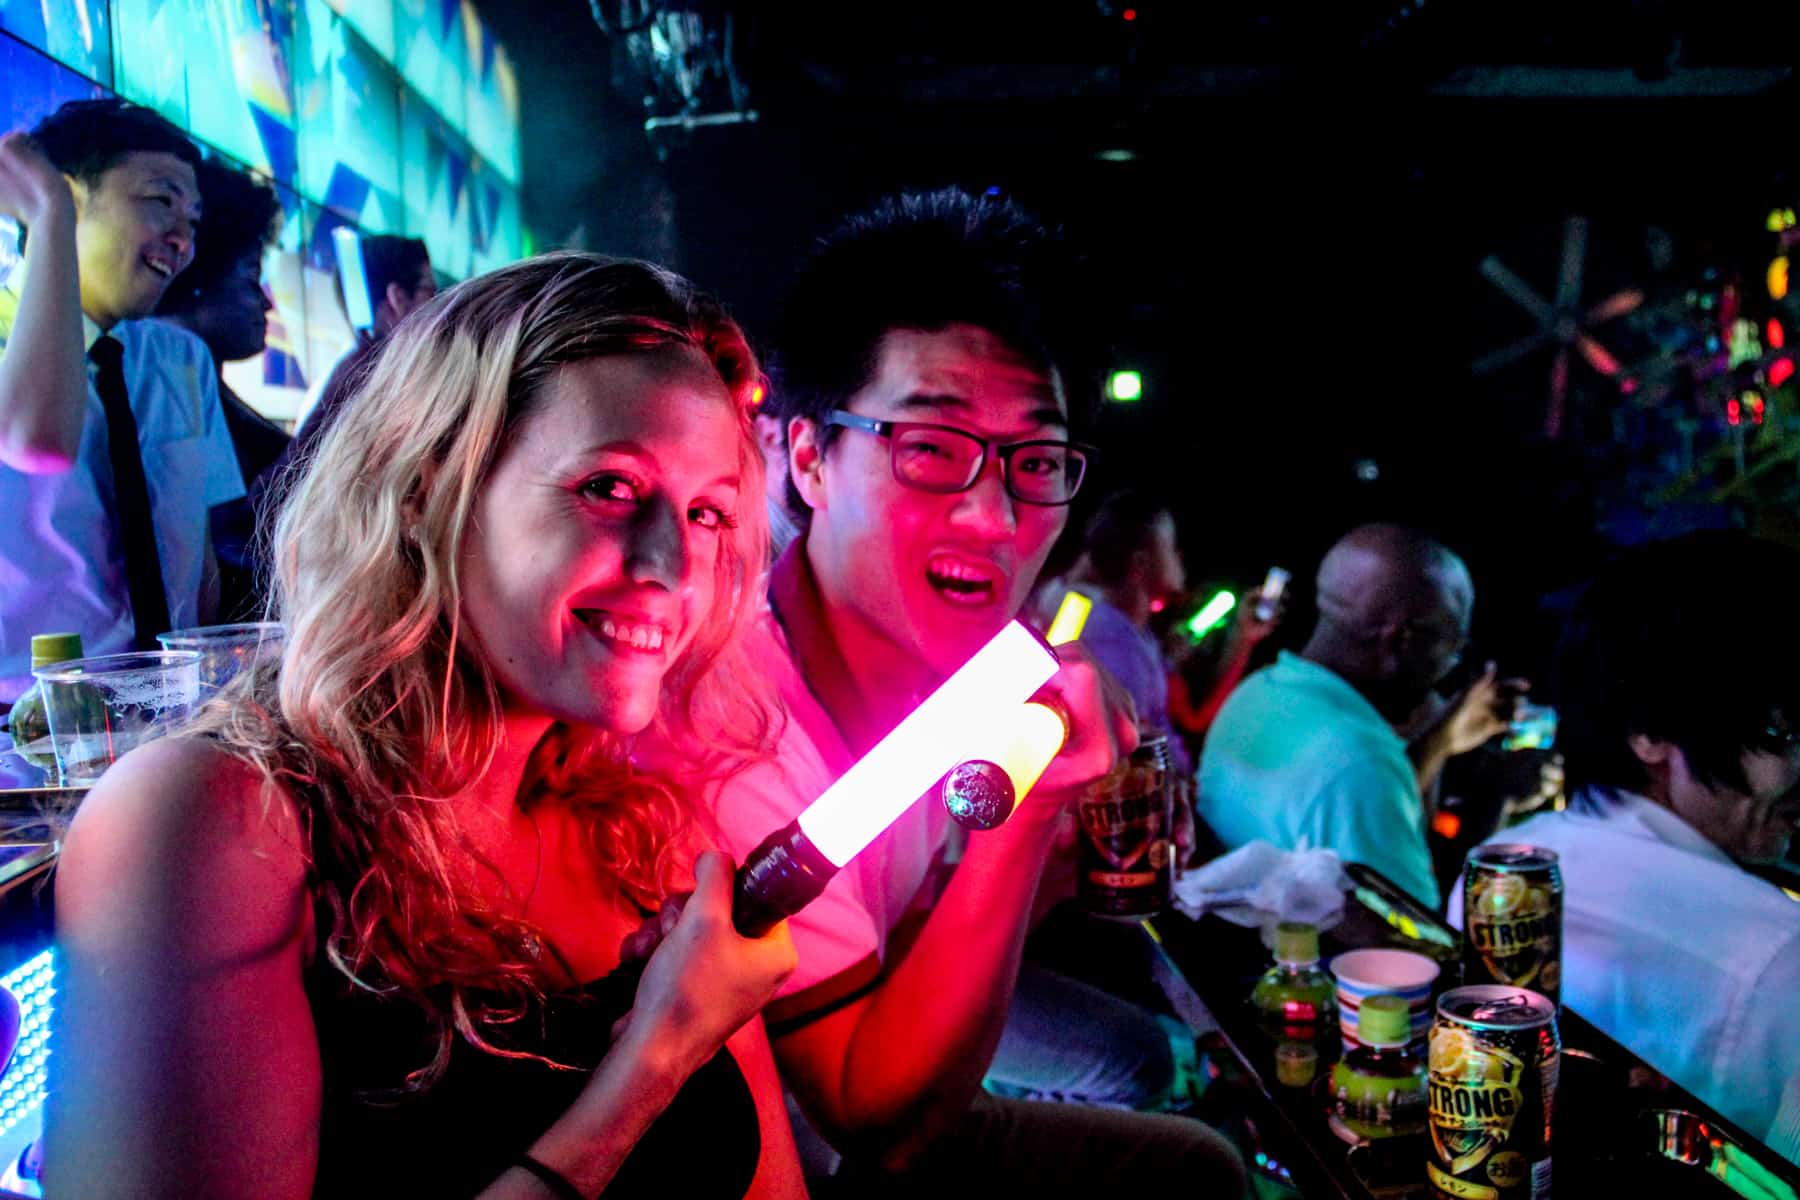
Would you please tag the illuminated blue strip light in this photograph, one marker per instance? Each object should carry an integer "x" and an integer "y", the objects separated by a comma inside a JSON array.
[{"x": 22, "y": 1087}]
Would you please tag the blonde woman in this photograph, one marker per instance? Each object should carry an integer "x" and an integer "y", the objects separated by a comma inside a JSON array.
[{"x": 361, "y": 933}]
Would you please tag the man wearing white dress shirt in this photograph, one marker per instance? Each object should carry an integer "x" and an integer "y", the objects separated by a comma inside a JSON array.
[
  {"x": 1680, "y": 724},
  {"x": 113, "y": 445}
]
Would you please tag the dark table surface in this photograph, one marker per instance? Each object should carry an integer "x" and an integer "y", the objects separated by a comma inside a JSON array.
[{"x": 1618, "y": 1124}]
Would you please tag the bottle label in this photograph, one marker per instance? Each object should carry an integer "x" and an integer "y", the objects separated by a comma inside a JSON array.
[
  {"x": 1514, "y": 928},
  {"x": 1127, "y": 856},
  {"x": 1475, "y": 1094},
  {"x": 1379, "y": 1105}
]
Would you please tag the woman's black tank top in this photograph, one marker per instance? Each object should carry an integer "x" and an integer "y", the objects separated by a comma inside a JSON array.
[{"x": 486, "y": 1110}]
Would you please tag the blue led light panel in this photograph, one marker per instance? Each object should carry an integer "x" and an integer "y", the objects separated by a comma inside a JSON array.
[{"x": 76, "y": 33}]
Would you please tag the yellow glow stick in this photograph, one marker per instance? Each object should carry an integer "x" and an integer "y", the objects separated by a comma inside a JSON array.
[
  {"x": 1037, "y": 733},
  {"x": 1071, "y": 617},
  {"x": 1023, "y": 744}
]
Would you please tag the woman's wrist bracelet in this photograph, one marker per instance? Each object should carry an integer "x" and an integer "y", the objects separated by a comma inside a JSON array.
[{"x": 556, "y": 1181}]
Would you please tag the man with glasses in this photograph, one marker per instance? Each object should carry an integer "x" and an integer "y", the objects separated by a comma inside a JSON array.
[
  {"x": 1679, "y": 688},
  {"x": 932, "y": 466},
  {"x": 1306, "y": 754}
]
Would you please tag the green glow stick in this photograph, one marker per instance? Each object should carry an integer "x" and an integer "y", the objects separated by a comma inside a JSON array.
[
  {"x": 1744, "y": 1175},
  {"x": 1211, "y": 615}
]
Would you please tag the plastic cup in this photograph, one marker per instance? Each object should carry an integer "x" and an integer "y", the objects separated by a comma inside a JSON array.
[
  {"x": 101, "y": 708},
  {"x": 226, "y": 649},
  {"x": 1382, "y": 972}
]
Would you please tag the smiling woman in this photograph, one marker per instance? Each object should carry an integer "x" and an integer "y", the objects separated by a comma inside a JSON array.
[
  {"x": 360, "y": 933},
  {"x": 625, "y": 482}
]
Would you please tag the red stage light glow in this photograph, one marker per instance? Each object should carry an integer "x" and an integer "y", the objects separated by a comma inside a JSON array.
[
  {"x": 1129, "y": 14},
  {"x": 1780, "y": 371},
  {"x": 1777, "y": 336}
]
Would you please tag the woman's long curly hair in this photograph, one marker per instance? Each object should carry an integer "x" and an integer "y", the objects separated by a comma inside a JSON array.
[{"x": 381, "y": 709}]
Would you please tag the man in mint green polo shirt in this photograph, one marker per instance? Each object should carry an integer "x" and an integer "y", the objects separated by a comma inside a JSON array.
[{"x": 1305, "y": 754}]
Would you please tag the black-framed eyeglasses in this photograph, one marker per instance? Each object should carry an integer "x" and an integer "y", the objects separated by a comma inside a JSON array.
[{"x": 943, "y": 458}]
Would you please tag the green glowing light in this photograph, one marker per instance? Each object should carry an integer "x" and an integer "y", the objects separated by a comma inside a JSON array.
[
  {"x": 1212, "y": 615},
  {"x": 1125, "y": 386},
  {"x": 1733, "y": 1166}
]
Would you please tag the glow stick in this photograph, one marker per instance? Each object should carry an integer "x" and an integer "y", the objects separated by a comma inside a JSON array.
[
  {"x": 981, "y": 794},
  {"x": 790, "y": 867},
  {"x": 953, "y": 724},
  {"x": 1071, "y": 618},
  {"x": 1037, "y": 733},
  {"x": 1211, "y": 614}
]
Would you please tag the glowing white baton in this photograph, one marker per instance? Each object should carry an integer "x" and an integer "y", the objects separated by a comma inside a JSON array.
[
  {"x": 955, "y": 723},
  {"x": 967, "y": 717}
]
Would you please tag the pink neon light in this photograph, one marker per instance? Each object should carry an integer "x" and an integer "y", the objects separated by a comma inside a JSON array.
[{"x": 965, "y": 718}]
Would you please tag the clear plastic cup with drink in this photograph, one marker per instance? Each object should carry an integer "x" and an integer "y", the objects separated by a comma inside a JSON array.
[
  {"x": 226, "y": 650},
  {"x": 101, "y": 708}
]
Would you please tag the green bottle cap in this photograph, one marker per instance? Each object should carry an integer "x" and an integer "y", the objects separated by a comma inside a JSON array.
[
  {"x": 47, "y": 648},
  {"x": 1384, "y": 1021},
  {"x": 1296, "y": 942}
]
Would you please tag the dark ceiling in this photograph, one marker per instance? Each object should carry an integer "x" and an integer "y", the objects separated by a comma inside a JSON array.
[{"x": 1288, "y": 249}]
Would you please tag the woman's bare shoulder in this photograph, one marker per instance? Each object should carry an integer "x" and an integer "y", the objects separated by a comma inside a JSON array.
[{"x": 177, "y": 827}]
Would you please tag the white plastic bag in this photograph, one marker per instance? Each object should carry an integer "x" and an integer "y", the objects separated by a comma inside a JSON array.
[{"x": 1257, "y": 884}]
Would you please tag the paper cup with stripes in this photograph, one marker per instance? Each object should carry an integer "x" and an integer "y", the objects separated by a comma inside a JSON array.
[{"x": 1381, "y": 972}]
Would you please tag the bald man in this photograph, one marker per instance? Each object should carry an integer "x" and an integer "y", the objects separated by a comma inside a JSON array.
[{"x": 1306, "y": 754}]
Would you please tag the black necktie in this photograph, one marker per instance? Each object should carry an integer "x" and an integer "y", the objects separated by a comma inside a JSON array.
[{"x": 131, "y": 496}]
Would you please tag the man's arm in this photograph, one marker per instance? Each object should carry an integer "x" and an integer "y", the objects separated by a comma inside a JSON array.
[
  {"x": 885, "y": 1075},
  {"x": 1480, "y": 714},
  {"x": 1248, "y": 631},
  {"x": 1198, "y": 720},
  {"x": 1759, "y": 1053},
  {"x": 43, "y": 376}
]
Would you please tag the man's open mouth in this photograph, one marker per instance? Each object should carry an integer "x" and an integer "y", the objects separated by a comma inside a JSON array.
[{"x": 963, "y": 580}]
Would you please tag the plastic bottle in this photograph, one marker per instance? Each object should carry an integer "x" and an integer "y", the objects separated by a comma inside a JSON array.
[
  {"x": 1296, "y": 999},
  {"x": 28, "y": 721},
  {"x": 1379, "y": 1087}
]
